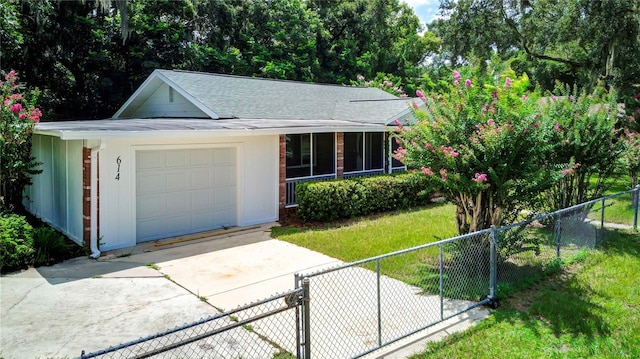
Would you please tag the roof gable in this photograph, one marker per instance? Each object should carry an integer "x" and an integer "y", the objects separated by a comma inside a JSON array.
[{"x": 218, "y": 96}]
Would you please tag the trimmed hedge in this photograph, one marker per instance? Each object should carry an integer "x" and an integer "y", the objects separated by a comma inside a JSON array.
[{"x": 346, "y": 198}]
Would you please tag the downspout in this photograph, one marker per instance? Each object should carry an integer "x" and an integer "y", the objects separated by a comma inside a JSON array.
[{"x": 93, "y": 243}]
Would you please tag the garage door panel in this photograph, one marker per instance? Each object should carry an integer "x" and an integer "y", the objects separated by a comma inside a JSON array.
[
  {"x": 225, "y": 216},
  {"x": 151, "y": 182},
  {"x": 150, "y": 160},
  {"x": 150, "y": 229},
  {"x": 203, "y": 221},
  {"x": 151, "y": 206},
  {"x": 176, "y": 158},
  {"x": 200, "y": 158},
  {"x": 224, "y": 198},
  {"x": 178, "y": 224},
  {"x": 225, "y": 176},
  {"x": 201, "y": 200},
  {"x": 200, "y": 178},
  {"x": 184, "y": 191},
  {"x": 177, "y": 181},
  {"x": 224, "y": 156},
  {"x": 179, "y": 202}
]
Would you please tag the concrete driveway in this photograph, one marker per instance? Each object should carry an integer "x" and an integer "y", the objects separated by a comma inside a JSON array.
[{"x": 83, "y": 304}]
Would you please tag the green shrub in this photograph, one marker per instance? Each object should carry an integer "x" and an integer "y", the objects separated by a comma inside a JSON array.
[
  {"x": 50, "y": 246},
  {"x": 16, "y": 242},
  {"x": 330, "y": 200}
]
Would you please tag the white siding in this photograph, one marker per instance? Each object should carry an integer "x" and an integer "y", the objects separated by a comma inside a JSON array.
[
  {"x": 164, "y": 104},
  {"x": 256, "y": 182},
  {"x": 56, "y": 193}
]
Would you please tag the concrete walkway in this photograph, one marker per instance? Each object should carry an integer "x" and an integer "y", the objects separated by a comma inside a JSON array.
[{"x": 83, "y": 304}]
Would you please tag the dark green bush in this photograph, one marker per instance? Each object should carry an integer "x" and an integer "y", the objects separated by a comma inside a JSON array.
[
  {"x": 50, "y": 246},
  {"x": 16, "y": 242},
  {"x": 329, "y": 200}
]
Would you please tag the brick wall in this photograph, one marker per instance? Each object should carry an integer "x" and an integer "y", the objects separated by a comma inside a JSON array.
[{"x": 283, "y": 175}]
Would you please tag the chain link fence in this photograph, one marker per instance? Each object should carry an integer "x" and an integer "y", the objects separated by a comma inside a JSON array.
[
  {"x": 264, "y": 329},
  {"x": 534, "y": 248},
  {"x": 362, "y": 306},
  {"x": 351, "y": 310}
]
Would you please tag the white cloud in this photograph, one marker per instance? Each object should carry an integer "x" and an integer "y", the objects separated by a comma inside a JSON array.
[{"x": 427, "y": 10}]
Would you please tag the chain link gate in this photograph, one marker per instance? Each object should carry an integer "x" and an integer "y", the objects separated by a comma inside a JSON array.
[{"x": 268, "y": 328}]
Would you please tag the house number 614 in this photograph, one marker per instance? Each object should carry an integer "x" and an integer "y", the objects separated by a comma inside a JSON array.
[{"x": 118, "y": 162}]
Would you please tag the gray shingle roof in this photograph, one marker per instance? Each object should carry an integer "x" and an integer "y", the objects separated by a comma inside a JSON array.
[{"x": 258, "y": 98}]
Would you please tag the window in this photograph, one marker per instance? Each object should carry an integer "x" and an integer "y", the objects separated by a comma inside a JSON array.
[
  {"x": 363, "y": 151},
  {"x": 302, "y": 148}
]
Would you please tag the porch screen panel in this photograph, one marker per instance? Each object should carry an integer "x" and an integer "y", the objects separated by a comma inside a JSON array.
[
  {"x": 374, "y": 153},
  {"x": 324, "y": 152},
  {"x": 353, "y": 151},
  {"x": 298, "y": 155}
]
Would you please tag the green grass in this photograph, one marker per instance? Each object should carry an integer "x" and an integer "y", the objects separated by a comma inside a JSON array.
[
  {"x": 618, "y": 209},
  {"x": 589, "y": 309},
  {"x": 152, "y": 266},
  {"x": 374, "y": 236}
]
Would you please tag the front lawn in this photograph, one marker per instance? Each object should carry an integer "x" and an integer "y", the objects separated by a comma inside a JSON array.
[
  {"x": 368, "y": 237},
  {"x": 590, "y": 310},
  {"x": 372, "y": 236}
]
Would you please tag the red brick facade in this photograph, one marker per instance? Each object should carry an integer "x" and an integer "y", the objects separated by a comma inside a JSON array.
[
  {"x": 283, "y": 176},
  {"x": 340, "y": 154}
]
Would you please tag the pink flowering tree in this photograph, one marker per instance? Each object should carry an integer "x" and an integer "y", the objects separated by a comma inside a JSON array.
[
  {"x": 385, "y": 82},
  {"x": 586, "y": 145},
  {"x": 17, "y": 165},
  {"x": 485, "y": 144}
]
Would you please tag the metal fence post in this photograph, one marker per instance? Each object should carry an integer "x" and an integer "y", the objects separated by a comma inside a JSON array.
[
  {"x": 636, "y": 204},
  {"x": 493, "y": 270},
  {"x": 296, "y": 285},
  {"x": 379, "y": 304},
  {"x": 306, "y": 316},
  {"x": 441, "y": 283},
  {"x": 558, "y": 234},
  {"x": 602, "y": 222}
]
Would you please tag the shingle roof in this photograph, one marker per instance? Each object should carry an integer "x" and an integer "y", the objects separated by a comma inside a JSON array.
[{"x": 257, "y": 98}]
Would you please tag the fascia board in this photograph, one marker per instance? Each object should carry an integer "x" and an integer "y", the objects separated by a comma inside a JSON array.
[{"x": 103, "y": 135}]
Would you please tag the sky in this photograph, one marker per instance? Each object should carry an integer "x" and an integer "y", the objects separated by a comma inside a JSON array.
[{"x": 425, "y": 9}]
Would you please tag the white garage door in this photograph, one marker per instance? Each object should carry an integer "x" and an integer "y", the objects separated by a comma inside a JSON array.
[{"x": 184, "y": 191}]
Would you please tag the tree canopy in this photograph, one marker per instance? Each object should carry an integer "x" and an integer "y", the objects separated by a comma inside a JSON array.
[
  {"x": 87, "y": 57},
  {"x": 582, "y": 43}
]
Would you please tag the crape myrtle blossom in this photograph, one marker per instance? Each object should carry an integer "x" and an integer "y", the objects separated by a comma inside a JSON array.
[
  {"x": 427, "y": 171},
  {"x": 507, "y": 83},
  {"x": 456, "y": 77},
  {"x": 469, "y": 142},
  {"x": 480, "y": 177}
]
